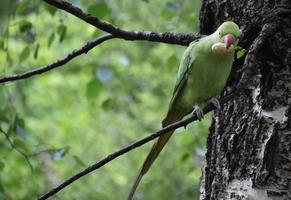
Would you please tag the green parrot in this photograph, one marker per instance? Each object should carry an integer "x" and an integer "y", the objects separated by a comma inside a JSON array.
[{"x": 203, "y": 72}]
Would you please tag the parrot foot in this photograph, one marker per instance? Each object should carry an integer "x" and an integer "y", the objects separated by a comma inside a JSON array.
[
  {"x": 199, "y": 112},
  {"x": 215, "y": 102}
]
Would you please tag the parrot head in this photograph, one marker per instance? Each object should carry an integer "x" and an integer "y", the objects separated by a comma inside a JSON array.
[{"x": 228, "y": 36}]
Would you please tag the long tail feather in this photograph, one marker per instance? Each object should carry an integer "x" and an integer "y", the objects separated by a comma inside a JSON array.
[
  {"x": 155, "y": 151},
  {"x": 134, "y": 187}
]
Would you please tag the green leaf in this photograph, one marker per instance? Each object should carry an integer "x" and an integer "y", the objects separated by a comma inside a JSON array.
[
  {"x": 60, "y": 153},
  {"x": 24, "y": 54},
  {"x": 79, "y": 161},
  {"x": 107, "y": 104},
  {"x": 62, "y": 30},
  {"x": 35, "y": 54},
  {"x": 99, "y": 9},
  {"x": 50, "y": 39},
  {"x": 27, "y": 33},
  {"x": 93, "y": 89},
  {"x": 50, "y": 9},
  {"x": 2, "y": 46},
  {"x": 24, "y": 26},
  {"x": 185, "y": 157},
  {"x": 2, "y": 165},
  {"x": 4, "y": 16},
  {"x": 28, "y": 36},
  {"x": 9, "y": 59},
  {"x": 240, "y": 53}
]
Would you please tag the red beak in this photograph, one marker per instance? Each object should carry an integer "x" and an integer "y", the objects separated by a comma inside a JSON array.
[{"x": 228, "y": 40}]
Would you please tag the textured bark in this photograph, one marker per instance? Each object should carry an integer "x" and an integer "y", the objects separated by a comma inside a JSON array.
[{"x": 249, "y": 144}]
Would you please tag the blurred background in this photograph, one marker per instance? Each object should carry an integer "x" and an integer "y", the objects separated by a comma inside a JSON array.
[{"x": 55, "y": 124}]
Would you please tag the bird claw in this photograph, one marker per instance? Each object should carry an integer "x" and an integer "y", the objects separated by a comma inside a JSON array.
[
  {"x": 215, "y": 103},
  {"x": 199, "y": 112}
]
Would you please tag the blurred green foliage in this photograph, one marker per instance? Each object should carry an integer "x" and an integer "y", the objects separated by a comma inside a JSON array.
[{"x": 69, "y": 118}]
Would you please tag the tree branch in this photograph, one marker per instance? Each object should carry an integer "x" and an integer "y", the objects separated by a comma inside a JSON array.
[
  {"x": 182, "y": 123},
  {"x": 164, "y": 37},
  {"x": 87, "y": 47}
]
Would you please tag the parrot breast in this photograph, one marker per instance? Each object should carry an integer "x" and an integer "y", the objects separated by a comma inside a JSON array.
[{"x": 207, "y": 78}]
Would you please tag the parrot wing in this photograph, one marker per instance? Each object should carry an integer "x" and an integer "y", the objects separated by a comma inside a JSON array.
[{"x": 187, "y": 64}]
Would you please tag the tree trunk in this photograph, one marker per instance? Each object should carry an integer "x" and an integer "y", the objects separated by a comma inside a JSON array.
[{"x": 249, "y": 144}]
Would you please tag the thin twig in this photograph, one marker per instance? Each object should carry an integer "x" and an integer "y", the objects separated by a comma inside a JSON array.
[
  {"x": 12, "y": 145},
  {"x": 162, "y": 37},
  {"x": 110, "y": 157},
  {"x": 84, "y": 49}
]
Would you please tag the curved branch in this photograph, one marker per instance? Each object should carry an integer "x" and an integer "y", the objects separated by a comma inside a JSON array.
[
  {"x": 110, "y": 157},
  {"x": 164, "y": 37},
  {"x": 87, "y": 47}
]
